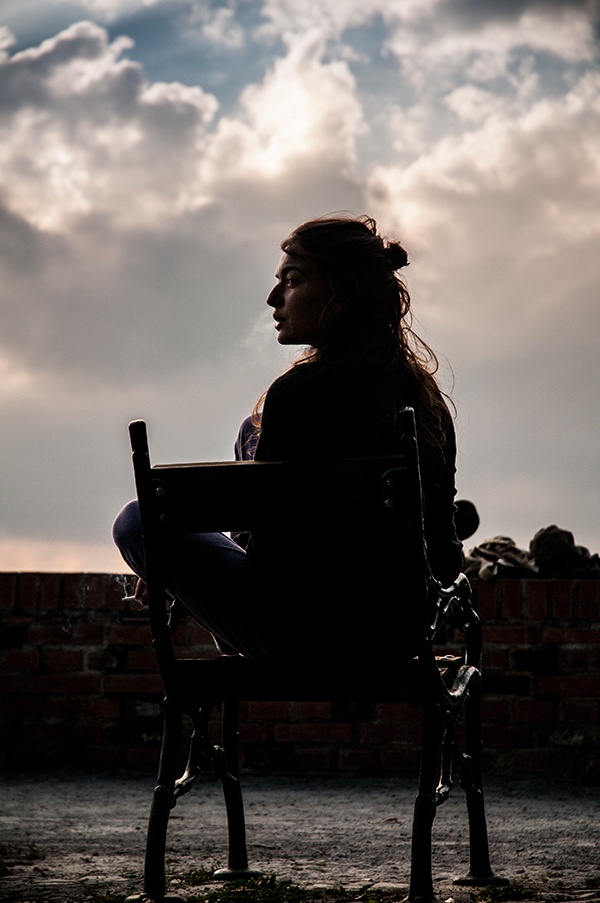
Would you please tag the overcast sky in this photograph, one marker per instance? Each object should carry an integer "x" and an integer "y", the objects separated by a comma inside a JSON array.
[{"x": 153, "y": 153}]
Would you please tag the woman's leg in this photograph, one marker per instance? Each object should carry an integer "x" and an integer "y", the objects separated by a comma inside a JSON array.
[
  {"x": 127, "y": 536},
  {"x": 209, "y": 574}
]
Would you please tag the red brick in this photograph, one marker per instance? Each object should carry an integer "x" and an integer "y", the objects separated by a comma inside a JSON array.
[
  {"x": 59, "y": 683},
  {"x": 485, "y": 596},
  {"x": 398, "y": 712},
  {"x": 511, "y": 599},
  {"x": 141, "y": 660},
  {"x": 62, "y": 708},
  {"x": 510, "y": 736},
  {"x": 496, "y": 709},
  {"x": 73, "y": 591},
  {"x": 129, "y": 635},
  {"x": 386, "y": 734},
  {"x": 63, "y": 659},
  {"x": 100, "y": 659},
  {"x": 95, "y": 588},
  {"x": 100, "y": 707},
  {"x": 57, "y": 632},
  {"x": 269, "y": 710},
  {"x": 28, "y": 592},
  {"x": 400, "y": 758},
  {"x": 581, "y": 711},
  {"x": 20, "y": 708},
  {"x": 22, "y": 660},
  {"x": 589, "y": 600},
  {"x": 313, "y": 759},
  {"x": 8, "y": 584},
  {"x": 562, "y": 599},
  {"x": 133, "y": 684},
  {"x": 353, "y": 759},
  {"x": 513, "y": 636},
  {"x": 570, "y": 635},
  {"x": 50, "y": 592},
  {"x": 579, "y": 659},
  {"x": 9, "y": 683},
  {"x": 310, "y": 711},
  {"x": 64, "y": 734},
  {"x": 536, "y": 600},
  {"x": 193, "y": 650},
  {"x": 534, "y": 710},
  {"x": 95, "y": 619},
  {"x": 93, "y": 592},
  {"x": 254, "y": 732},
  {"x": 495, "y": 658},
  {"x": 313, "y": 733},
  {"x": 18, "y": 619},
  {"x": 572, "y": 685}
]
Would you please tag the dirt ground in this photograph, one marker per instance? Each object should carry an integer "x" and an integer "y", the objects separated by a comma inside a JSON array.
[{"x": 80, "y": 838}]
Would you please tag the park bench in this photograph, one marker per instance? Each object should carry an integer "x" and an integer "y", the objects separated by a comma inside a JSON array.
[{"x": 381, "y": 493}]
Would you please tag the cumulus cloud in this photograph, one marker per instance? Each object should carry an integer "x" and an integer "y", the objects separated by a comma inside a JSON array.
[
  {"x": 527, "y": 187},
  {"x": 219, "y": 26},
  {"x": 505, "y": 225},
  {"x": 304, "y": 108},
  {"x": 139, "y": 241},
  {"x": 82, "y": 128},
  {"x": 106, "y": 254},
  {"x": 125, "y": 209}
]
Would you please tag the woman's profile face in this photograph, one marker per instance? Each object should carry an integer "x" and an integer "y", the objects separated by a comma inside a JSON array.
[{"x": 298, "y": 300}]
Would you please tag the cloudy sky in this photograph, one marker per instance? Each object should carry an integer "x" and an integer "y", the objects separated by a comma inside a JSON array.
[{"x": 154, "y": 152}]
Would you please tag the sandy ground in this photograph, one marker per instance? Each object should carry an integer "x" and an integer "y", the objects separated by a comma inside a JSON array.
[{"x": 80, "y": 838}]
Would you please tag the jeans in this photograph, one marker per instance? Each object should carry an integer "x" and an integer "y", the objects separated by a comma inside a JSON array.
[{"x": 211, "y": 576}]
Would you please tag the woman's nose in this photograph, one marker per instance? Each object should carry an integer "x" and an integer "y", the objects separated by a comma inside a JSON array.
[{"x": 274, "y": 297}]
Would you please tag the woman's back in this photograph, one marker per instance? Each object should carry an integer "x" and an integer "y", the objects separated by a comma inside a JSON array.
[{"x": 313, "y": 412}]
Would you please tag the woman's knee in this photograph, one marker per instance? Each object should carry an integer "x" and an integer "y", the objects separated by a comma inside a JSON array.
[
  {"x": 127, "y": 535},
  {"x": 127, "y": 524}
]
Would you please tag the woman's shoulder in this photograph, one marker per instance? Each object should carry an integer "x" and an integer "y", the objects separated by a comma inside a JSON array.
[{"x": 298, "y": 380}]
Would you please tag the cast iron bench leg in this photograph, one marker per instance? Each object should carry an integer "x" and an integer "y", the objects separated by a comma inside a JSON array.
[
  {"x": 234, "y": 804},
  {"x": 421, "y": 880},
  {"x": 162, "y": 803},
  {"x": 480, "y": 870}
]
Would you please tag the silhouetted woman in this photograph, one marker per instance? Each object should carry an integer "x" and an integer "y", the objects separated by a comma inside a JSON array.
[{"x": 338, "y": 294}]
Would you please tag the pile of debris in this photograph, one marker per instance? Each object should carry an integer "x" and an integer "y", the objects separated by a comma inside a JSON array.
[{"x": 552, "y": 553}]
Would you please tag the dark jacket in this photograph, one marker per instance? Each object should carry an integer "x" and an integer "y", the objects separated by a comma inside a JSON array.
[{"x": 316, "y": 412}]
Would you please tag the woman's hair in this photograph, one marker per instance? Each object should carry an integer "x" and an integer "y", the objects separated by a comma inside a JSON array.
[{"x": 368, "y": 315}]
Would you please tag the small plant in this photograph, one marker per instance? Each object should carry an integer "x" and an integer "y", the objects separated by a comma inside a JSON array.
[
  {"x": 506, "y": 893},
  {"x": 194, "y": 877},
  {"x": 371, "y": 895},
  {"x": 258, "y": 890},
  {"x": 269, "y": 890}
]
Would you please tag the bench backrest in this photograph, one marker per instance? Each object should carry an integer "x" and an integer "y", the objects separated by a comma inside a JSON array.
[{"x": 379, "y": 494}]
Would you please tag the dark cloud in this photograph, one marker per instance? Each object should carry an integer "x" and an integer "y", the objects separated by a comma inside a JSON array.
[
  {"x": 107, "y": 305},
  {"x": 24, "y": 77}
]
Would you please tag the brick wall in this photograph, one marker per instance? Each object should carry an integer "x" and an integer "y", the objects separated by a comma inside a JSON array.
[
  {"x": 79, "y": 686},
  {"x": 542, "y": 675}
]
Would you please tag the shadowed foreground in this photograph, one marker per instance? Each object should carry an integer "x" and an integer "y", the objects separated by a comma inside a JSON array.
[{"x": 80, "y": 838}]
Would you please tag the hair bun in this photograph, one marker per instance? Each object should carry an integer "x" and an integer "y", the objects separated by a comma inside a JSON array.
[{"x": 396, "y": 255}]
